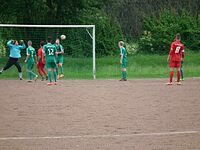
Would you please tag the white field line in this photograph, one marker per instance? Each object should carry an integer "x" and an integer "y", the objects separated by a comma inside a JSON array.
[{"x": 98, "y": 136}]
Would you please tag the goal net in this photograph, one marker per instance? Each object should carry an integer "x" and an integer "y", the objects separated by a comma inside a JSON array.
[{"x": 79, "y": 45}]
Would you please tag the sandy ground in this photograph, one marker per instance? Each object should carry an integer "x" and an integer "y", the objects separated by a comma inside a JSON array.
[{"x": 100, "y": 115}]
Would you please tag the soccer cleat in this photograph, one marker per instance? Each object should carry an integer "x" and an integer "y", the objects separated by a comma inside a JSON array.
[
  {"x": 58, "y": 77},
  {"x": 179, "y": 83},
  {"x": 50, "y": 83},
  {"x": 29, "y": 81},
  {"x": 36, "y": 77},
  {"x": 20, "y": 78},
  {"x": 169, "y": 83},
  {"x": 47, "y": 78},
  {"x": 123, "y": 79},
  {"x": 61, "y": 76},
  {"x": 55, "y": 83},
  {"x": 182, "y": 79},
  {"x": 42, "y": 79}
]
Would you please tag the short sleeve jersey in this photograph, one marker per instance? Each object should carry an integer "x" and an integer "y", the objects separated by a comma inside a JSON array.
[
  {"x": 40, "y": 54},
  {"x": 176, "y": 51},
  {"x": 31, "y": 52},
  {"x": 59, "y": 48},
  {"x": 124, "y": 53},
  {"x": 50, "y": 52}
]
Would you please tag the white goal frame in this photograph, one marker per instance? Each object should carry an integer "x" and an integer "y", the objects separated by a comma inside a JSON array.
[{"x": 64, "y": 26}]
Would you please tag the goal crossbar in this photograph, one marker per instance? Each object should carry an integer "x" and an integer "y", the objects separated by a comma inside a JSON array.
[
  {"x": 63, "y": 26},
  {"x": 47, "y": 26}
]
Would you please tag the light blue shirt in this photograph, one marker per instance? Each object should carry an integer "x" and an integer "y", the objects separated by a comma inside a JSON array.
[{"x": 15, "y": 50}]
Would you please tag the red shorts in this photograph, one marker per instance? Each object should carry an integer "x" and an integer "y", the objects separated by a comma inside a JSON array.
[
  {"x": 175, "y": 64},
  {"x": 40, "y": 65}
]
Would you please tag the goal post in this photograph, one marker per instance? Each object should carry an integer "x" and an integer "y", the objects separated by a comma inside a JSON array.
[{"x": 92, "y": 36}]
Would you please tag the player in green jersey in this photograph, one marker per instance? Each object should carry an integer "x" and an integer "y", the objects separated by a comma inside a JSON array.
[
  {"x": 123, "y": 60},
  {"x": 31, "y": 59},
  {"x": 50, "y": 53},
  {"x": 60, "y": 58}
]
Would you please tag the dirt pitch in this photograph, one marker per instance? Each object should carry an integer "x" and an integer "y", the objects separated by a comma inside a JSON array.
[{"x": 100, "y": 115}]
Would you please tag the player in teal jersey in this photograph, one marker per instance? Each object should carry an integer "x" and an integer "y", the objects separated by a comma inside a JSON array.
[
  {"x": 50, "y": 53},
  {"x": 60, "y": 58},
  {"x": 31, "y": 59},
  {"x": 15, "y": 50},
  {"x": 123, "y": 60}
]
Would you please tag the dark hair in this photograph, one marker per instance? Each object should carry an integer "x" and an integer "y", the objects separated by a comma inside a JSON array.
[
  {"x": 49, "y": 39},
  {"x": 178, "y": 36},
  {"x": 42, "y": 43},
  {"x": 14, "y": 41}
]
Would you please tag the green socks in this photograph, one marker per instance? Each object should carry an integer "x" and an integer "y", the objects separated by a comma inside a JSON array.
[
  {"x": 55, "y": 75},
  {"x": 124, "y": 74},
  {"x": 61, "y": 69},
  {"x": 50, "y": 76}
]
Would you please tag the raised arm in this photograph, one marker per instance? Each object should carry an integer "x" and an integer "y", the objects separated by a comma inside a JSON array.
[{"x": 10, "y": 43}]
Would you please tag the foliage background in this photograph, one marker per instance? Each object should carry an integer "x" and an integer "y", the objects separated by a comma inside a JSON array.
[{"x": 147, "y": 26}]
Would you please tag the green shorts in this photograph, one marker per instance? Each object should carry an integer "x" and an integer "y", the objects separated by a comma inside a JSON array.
[
  {"x": 30, "y": 65},
  {"x": 51, "y": 65},
  {"x": 124, "y": 64},
  {"x": 181, "y": 64},
  {"x": 60, "y": 59}
]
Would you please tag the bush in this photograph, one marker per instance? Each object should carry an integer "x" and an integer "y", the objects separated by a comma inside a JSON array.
[
  {"x": 2, "y": 48},
  {"x": 160, "y": 32}
]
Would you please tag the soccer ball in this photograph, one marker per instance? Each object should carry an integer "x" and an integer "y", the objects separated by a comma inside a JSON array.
[{"x": 63, "y": 37}]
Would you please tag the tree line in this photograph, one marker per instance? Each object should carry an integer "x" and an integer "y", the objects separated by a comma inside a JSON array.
[{"x": 149, "y": 23}]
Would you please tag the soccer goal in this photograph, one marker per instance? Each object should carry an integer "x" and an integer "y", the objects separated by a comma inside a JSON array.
[{"x": 79, "y": 42}]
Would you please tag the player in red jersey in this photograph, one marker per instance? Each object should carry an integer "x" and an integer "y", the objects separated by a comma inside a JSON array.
[
  {"x": 41, "y": 62},
  {"x": 176, "y": 55}
]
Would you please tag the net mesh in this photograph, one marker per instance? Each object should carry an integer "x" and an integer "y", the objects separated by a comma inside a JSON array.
[{"x": 77, "y": 46}]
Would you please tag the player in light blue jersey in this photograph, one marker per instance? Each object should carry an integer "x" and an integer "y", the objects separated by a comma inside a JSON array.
[{"x": 15, "y": 54}]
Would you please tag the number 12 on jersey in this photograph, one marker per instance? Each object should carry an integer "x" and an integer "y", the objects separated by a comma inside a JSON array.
[{"x": 51, "y": 51}]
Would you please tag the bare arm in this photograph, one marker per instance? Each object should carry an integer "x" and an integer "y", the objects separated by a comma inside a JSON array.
[
  {"x": 27, "y": 57},
  {"x": 121, "y": 58}
]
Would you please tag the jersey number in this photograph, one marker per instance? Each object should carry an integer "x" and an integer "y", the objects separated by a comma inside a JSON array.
[
  {"x": 51, "y": 52},
  {"x": 177, "y": 50}
]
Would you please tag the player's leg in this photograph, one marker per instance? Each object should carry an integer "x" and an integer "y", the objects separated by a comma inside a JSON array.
[
  {"x": 28, "y": 68},
  {"x": 182, "y": 72},
  {"x": 57, "y": 63},
  {"x": 49, "y": 69},
  {"x": 10, "y": 62},
  {"x": 31, "y": 74},
  {"x": 123, "y": 70},
  {"x": 61, "y": 70},
  {"x": 39, "y": 70},
  {"x": 19, "y": 68},
  {"x": 54, "y": 66},
  {"x": 178, "y": 66},
  {"x": 171, "y": 74},
  {"x": 61, "y": 59},
  {"x": 178, "y": 76},
  {"x": 43, "y": 70}
]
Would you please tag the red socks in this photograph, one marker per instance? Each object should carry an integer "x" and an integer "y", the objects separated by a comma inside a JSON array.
[
  {"x": 178, "y": 76},
  {"x": 171, "y": 76}
]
